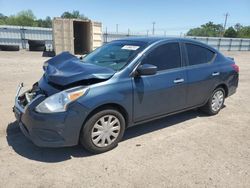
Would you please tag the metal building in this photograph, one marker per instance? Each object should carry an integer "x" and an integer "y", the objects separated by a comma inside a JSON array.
[{"x": 19, "y": 35}]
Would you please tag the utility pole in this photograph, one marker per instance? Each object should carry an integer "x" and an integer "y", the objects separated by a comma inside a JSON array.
[
  {"x": 106, "y": 35},
  {"x": 147, "y": 32},
  {"x": 225, "y": 23},
  {"x": 116, "y": 28},
  {"x": 153, "y": 29}
]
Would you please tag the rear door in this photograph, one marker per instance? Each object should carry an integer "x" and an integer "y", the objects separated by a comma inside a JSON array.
[
  {"x": 202, "y": 73},
  {"x": 164, "y": 92}
]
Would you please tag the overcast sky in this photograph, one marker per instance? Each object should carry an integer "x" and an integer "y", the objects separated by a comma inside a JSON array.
[{"x": 173, "y": 17}]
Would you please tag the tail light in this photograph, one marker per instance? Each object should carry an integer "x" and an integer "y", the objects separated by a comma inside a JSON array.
[{"x": 236, "y": 68}]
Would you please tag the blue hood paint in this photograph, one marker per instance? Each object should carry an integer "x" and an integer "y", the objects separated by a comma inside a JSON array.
[{"x": 66, "y": 68}]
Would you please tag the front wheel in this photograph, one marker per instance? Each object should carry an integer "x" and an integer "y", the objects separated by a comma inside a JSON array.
[
  {"x": 103, "y": 131},
  {"x": 215, "y": 102}
]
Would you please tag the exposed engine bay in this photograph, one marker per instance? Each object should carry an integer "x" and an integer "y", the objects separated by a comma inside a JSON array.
[{"x": 29, "y": 95}]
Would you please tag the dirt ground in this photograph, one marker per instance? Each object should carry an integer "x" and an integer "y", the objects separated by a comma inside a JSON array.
[{"x": 184, "y": 150}]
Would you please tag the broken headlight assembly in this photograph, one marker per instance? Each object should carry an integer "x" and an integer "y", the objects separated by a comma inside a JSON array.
[{"x": 59, "y": 101}]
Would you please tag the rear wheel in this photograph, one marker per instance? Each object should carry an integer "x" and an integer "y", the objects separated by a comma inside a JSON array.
[
  {"x": 103, "y": 131},
  {"x": 215, "y": 102}
]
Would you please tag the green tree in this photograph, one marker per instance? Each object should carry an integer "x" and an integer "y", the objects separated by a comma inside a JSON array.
[
  {"x": 27, "y": 18},
  {"x": 238, "y": 27},
  {"x": 215, "y": 30},
  {"x": 244, "y": 32},
  {"x": 23, "y": 18},
  {"x": 2, "y": 19},
  {"x": 73, "y": 14},
  {"x": 230, "y": 32},
  {"x": 44, "y": 23},
  {"x": 195, "y": 32},
  {"x": 209, "y": 30},
  {"x": 2, "y": 16}
]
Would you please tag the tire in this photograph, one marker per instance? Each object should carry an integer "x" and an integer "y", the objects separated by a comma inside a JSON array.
[
  {"x": 37, "y": 48},
  {"x": 9, "y": 47},
  {"x": 91, "y": 138},
  {"x": 208, "y": 107},
  {"x": 36, "y": 43}
]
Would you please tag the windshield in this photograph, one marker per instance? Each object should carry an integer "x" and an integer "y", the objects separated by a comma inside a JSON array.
[{"x": 115, "y": 55}]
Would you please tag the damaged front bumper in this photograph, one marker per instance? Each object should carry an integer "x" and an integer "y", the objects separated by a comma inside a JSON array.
[{"x": 47, "y": 130}]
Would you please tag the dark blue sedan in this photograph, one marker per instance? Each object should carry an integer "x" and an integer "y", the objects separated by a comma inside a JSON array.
[{"x": 121, "y": 84}]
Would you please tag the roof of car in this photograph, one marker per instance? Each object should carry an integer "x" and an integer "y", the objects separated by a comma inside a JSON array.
[
  {"x": 154, "y": 39},
  {"x": 151, "y": 40},
  {"x": 143, "y": 39}
]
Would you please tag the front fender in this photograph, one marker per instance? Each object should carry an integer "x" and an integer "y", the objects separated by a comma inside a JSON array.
[{"x": 119, "y": 93}]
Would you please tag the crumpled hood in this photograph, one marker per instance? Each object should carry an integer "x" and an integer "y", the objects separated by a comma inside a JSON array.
[{"x": 65, "y": 69}]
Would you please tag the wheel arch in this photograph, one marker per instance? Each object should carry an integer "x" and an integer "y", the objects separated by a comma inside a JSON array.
[
  {"x": 115, "y": 106},
  {"x": 223, "y": 86}
]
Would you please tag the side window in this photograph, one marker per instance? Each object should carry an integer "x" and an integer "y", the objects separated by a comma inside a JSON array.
[
  {"x": 198, "y": 55},
  {"x": 166, "y": 56}
]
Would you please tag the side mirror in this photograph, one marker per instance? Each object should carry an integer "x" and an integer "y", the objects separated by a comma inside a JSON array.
[{"x": 147, "y": 69}]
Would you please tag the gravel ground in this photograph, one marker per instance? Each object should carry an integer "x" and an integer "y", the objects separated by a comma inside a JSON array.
[{"x": 184, "y": 150}]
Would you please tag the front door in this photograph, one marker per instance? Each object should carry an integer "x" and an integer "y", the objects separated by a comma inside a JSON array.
[{"x": 164, "y": 92}]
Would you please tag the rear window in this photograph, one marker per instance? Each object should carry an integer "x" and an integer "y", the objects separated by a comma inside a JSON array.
[{"x": 198, "y": 55}]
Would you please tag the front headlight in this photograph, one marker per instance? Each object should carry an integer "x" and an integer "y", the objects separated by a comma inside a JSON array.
[{"x": 59, "y": 101}]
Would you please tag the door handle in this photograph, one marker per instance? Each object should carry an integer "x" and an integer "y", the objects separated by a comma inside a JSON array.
[
  {"x": 215, "y": 73},
  {"x": 178, "y": 80}
]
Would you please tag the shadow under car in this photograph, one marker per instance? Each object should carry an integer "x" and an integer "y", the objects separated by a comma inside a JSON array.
[{"x": 27, "y": 149}]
